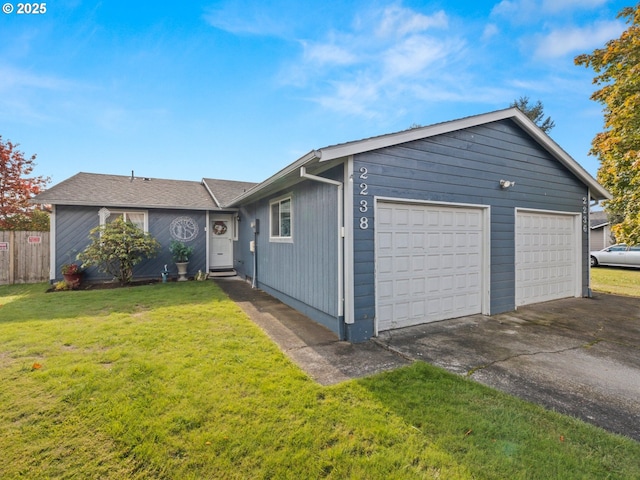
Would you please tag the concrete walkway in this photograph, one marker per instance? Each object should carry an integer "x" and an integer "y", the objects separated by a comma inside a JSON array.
[
  {"x": 316, "y": 349},
  {"x": 577, "y": 356}
]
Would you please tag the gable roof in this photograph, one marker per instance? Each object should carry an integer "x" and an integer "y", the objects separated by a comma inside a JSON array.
[
  {"x": 598, "y": 219},
  {"x": 223, "y": 191},
  {"x": 128, "y": 192},
  {"x": 290, "y": 174}
]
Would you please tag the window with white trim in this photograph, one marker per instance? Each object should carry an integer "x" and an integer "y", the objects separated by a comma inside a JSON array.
[
  {"x": 137, "y": 217},
  {"x": 281, "y": 220}
]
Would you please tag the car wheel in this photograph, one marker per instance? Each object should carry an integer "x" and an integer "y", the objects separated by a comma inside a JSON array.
[{"x": 594, "y": 261}]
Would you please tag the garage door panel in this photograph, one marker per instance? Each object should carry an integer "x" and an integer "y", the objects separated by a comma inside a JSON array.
[
  {"x": 432, "y": 263},
  {"x": 546, "y": 257}
]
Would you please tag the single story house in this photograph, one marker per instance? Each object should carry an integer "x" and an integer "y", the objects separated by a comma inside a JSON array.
[
  {"x": 601, "y": 236},
  {"x": 479, "y": 215}
]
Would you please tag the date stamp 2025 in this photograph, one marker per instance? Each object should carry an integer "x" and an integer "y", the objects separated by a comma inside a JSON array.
[{"x": 24, "y": 8}]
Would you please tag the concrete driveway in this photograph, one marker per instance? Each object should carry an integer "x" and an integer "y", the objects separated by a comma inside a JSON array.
[{"x": 577, "y": 356}]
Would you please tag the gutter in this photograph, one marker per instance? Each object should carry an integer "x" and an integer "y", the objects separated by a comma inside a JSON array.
[{"x": 304, "y": 174}]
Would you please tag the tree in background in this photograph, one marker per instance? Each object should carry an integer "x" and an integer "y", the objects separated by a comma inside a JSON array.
[
  {"x": 617, "y": 66},
  {"x": 534, "y": 112},
  {"x": 117, "y": 247},
  {"x": 17, "y": 188},
  {"x": 38, "y": 220}
]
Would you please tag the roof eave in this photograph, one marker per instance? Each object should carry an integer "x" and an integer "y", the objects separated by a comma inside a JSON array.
[
  {"x": 257, "y": 190},
  {"x": 78, "y": 203},
  {"x": 204, "y": 184},
  {"x": 597, "y": 192}
]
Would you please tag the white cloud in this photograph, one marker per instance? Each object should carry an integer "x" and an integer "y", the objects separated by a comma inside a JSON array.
[
  {"x": 359, "y": 69},
  {"x": 327, "y": 54},
  {"x": 354, "y": 97},
  {"x": 554, "y": 6},
  {"x": 12, "y": 78},
  {"x": 413, "y": 55},
  {"x": 490, "y": 31},
  {"x": 572, "y": 40},
  {"x": 398, "y": 21},
  {"x": 22, "y": 91},
  {"x": 515, "y": 10},
  {"x": 524, "y": 11},
  {"x": 245, "y": 20}
]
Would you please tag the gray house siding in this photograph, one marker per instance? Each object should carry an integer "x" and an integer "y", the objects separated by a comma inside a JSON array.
[
  {"x": 160, "y": 229},
  {"x": 463, "y": 166},
  {"x": 74, "y": 223},
  {"x": 302, "y": 273},
  {"x": 72, "y": 226}
]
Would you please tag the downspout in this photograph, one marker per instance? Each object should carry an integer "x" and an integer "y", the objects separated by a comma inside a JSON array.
[{"x": 304, "y": 174}]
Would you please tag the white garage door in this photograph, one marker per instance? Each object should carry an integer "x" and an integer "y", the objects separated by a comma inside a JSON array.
[
  {"x": 428, "y": 263},
  {"x": 546, "y": 257}
]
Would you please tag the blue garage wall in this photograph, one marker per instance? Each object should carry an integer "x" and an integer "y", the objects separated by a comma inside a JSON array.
[
  {"x": 463, "y": 166},
  {"x": 74, "y": 223}
]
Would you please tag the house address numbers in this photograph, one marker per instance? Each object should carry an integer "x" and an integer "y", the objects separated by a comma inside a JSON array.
[{"x": 364, "y": 202}]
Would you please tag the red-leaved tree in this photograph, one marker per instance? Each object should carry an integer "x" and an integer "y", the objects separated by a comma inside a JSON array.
[{"x": 17, "y": 187}]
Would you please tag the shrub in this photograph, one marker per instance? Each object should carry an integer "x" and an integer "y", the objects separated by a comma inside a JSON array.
[
  {"x": 180, "y": 251},
  {"x": 62, "y": 285},
  {"x": 117, "y": 247}
]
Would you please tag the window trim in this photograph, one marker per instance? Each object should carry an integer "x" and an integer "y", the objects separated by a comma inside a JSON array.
[
  {"x": 124, "y": 212},
  {"x": 280, "y": 200},
  {"x": 235, "y": 223}
]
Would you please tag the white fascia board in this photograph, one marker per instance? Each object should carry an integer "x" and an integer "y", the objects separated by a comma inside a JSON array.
[
  {"x": 289, "y": 169},
  {"x": 204, "y": 184},
  {"x": 552, "y": 147},
  {"x": 375, "y": 143}
]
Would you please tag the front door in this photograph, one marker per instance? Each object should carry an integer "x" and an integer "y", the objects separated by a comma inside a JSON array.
[{"x": 221, "y": 247}]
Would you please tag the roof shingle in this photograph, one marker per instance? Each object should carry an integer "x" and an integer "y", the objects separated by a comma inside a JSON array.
[{"x": 125, "y": 191}]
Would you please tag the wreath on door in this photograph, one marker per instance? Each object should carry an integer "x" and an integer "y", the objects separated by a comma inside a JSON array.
[{"x": 219, "y": 227}]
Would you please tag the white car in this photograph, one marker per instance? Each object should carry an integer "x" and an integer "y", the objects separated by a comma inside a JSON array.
[{"x": 619, "y": 255}]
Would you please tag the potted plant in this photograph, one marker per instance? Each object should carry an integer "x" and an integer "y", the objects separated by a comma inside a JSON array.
[
  {"x": 72, "y": 274},
  {"x": 181, "y": 254}
]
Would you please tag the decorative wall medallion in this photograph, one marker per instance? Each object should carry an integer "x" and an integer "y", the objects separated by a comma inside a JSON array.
[
  {"x": 184, "y": 229},
  {"x": 219, "y": 227}
]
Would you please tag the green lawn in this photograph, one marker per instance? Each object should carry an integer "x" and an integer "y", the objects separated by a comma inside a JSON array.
[
  {"x": 173, "y": 381},
  {"x": 619, "y": 281}
]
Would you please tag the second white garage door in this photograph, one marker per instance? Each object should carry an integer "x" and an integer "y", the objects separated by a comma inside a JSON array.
[
  {"x": 546, "y": 256},
  {"x": 429, "y": 263}
]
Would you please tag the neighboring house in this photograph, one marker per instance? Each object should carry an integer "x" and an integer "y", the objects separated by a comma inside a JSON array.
[
  {"x": 476, "y": 216},
  {"x": 601, "y": 236}
]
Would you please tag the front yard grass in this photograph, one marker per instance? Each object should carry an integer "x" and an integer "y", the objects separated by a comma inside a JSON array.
[
  {"x": 173, "y": 381},
  {"x": 616, "y": 280}
]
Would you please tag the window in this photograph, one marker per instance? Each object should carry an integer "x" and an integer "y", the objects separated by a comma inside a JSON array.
[
  {"x": 281, "y": 220},
  {"x": 138, "y": 218}
]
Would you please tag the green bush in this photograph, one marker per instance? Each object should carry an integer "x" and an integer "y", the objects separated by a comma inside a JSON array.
[
  {"x": 117, "y": 247},
  {"x": 180, "y": 251}
]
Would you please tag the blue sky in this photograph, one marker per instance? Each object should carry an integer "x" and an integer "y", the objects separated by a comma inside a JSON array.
[{"x": 238, "y": 90}]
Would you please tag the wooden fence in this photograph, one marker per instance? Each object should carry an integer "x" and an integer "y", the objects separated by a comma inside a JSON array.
[{"x": 24, "y": 257}]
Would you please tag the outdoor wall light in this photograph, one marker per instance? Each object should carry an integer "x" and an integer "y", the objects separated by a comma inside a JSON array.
[{"x": 506, "y": 184}]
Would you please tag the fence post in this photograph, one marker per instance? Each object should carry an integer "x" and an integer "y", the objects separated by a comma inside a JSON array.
[{"x": 12, "y": 257}]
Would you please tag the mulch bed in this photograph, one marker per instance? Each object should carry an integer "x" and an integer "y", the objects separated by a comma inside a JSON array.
[{"x": 107, "y": 285}]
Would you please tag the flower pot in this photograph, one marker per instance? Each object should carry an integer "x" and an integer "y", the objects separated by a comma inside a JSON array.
[
  {"x": 182, "y": 271},
  {"x": 72, "y": 279}
]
